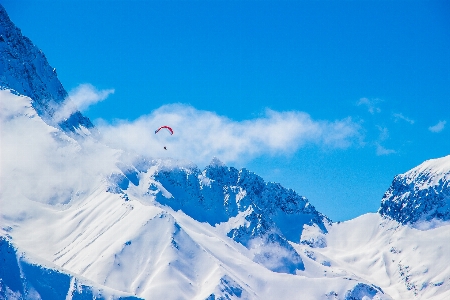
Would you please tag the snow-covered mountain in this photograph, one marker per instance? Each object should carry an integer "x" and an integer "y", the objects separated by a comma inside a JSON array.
[
  {"x": 263, "y": 217},
  {"x": 80, "y": 220},
  {"x": 421, "y": 194},
  {"x": 25, "y": 70}
]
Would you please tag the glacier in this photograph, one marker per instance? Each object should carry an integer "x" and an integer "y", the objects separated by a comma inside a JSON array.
[{"x": 82, "y": 220}]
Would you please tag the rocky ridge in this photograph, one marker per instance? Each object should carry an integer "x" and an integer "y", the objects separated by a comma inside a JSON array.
[
  {"x": 25, "y": 70},
  {"x": 264, "y": 217},
  {"x": 421, "y": 194}
]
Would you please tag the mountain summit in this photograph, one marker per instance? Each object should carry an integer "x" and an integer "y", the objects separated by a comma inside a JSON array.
[
  {"x": 421, "y": 194},
  {"x": 25, "y": 70}
]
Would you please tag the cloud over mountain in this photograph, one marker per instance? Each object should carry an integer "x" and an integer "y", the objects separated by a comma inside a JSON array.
[
  {"x": 79, "y": 99},
  {"x": 200, "y": 135}
]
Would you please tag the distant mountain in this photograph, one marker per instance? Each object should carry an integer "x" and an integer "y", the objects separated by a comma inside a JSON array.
[
  {"x": 24, "y": 69},
  {"x": 421, "y": 194}
]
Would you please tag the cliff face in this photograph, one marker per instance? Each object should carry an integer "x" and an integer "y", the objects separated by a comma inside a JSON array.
[
  {"x": 421, "y": 194},
  {"x": 24, "y": 69}
]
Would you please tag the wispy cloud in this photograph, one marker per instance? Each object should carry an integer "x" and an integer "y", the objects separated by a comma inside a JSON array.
[
  {"x": 370, "y": 104},
  {"x": 80, "y": 99},
  {"x": 200, "y": 135},
  {"x": 400, "y": 116},
  {"x": 383, "y": 136},
  {"x": 384, "y": 151},
  {"x": 384, "y": 133},
  {"x": 438, "y": 127}
]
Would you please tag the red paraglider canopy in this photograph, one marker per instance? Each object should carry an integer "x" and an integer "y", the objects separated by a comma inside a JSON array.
[{"x": 167, "y": 127}]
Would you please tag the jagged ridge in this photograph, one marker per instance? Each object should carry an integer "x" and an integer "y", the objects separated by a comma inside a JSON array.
[
  {"x": 25, "y": 69},
  {"x": 270, "y": 214}
]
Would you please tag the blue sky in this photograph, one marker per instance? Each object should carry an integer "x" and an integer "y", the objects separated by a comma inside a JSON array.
[{"x": 373, "y": 78}]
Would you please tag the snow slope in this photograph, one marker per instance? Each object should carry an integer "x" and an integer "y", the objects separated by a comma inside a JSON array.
[
  {"x": 22, "y": 278},
  {"x": 405, "y": 262}
]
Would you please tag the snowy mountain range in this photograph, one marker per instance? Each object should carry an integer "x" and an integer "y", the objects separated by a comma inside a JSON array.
[{"x": 82, "y": 220}]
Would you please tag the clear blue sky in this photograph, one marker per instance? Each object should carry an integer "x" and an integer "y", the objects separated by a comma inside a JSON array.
[{"x": 384, "y": 64}]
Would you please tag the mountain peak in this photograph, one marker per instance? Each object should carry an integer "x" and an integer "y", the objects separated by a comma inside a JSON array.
[
  {"x": 25, "y": 70},
  {"x": 3, "y": 15},
  {"x": 215, "y": 162},
  {"x": 421, "y": 194}
]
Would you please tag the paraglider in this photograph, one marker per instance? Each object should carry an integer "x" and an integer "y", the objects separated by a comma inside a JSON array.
[{"x": 166, "y": 127}]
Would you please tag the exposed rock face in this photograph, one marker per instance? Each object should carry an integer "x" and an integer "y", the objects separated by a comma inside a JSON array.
[
  {"x": 264, "y": 217},
  {"x": 421, "y": 194},
  {"x": 223, "y": 192},
  {"x": 24, "y": 69}
]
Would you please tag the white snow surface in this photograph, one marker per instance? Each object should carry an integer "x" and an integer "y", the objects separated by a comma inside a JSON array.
[
  {"x": 405, "y": 262},
  {"x": 435, "y": 170},
  {"x": 54, "y": 206}
]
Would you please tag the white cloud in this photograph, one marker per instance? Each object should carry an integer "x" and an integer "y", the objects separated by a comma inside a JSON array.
[
  {"x": 383, "y": 151},
  {"x": 34, "y": 154},
  {"x": 384, "y": 133},
  {"x": 400, "y": 116},
  {"x": 40, "y": 163},
  {"x": 80, "y": 99},
  {"x": 438, "y": 127},
  {"x": 383, "y": 136},
  {"x": 371, "y": 104},
  {"x": 201, "y": 135}
]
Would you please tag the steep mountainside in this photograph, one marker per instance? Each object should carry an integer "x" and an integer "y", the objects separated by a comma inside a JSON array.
[
  {"x": 24, "y": 69},
  {"x": 421, "y": 194},
  {"x": 261, "y": 216},
  {"x": 23, "y": 278}
]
